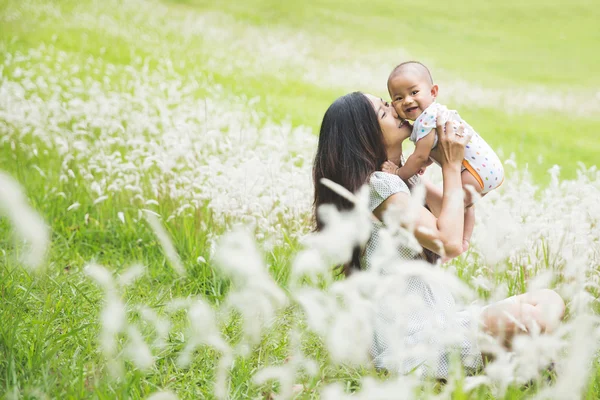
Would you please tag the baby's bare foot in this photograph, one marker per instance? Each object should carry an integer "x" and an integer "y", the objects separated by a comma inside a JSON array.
[{"x": 389, "y": 167}]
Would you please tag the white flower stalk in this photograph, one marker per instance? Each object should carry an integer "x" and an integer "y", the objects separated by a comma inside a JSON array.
[
  {"x": 309, "y": 262},
  {"x": 165, "y": 395},
  {"x": 473, "y": 382},
  {"x": 254, "y": 293},
  {"x": 203, "y": 330},
  {"x": 137, "y": 350},
  {"x": 113, "y": 319},
  {"x": 573, "y": 372},
  {"x": 165, "y": 242},
  {"x": 341, "y": 233},
  {"x": 74, "y": 206},
  {"x": 351, "y": 333},
  {"x": 536, "y": 352},
  {"x": 319, "y": 308},
  {"x": 100, "y": 200},
  {"x": 161, "y": 325},
  {"x": 132, "y": 274},
  {"x": 287, "y": 373},
  {"x": 401, "y": 387},
  {"x": 27, "y": 224},
  {"x": 222, "y": 376},
  {"x": 398, "y": 218}
]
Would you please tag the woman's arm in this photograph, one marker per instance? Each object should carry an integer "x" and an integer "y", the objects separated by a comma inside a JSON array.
[
  {"x": 447, "y": 228},
  {"x": 428, "y": 230},
  {"x": 433, "y": 197}
]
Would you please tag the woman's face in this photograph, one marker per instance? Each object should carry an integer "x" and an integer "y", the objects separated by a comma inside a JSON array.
[{"x": 395, "y": 130}]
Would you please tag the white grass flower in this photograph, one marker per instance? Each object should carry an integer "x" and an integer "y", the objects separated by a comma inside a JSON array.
[
  {"x": 162, "y": 326},
  {"x": 113, "y": 319},
  {"x": 203, "y": 331},
  {"x": 137, "y": 350},
  {"x": 309, "y": 262},
  {"x": 74, "y": 206},
  {"x": 26, "y": 222},
  {"x": 150, "y": 212},
  {"x": 100, "y": 200},
  {"x": 402, "y": 387},
  {"x": 165, "y": 242},
  {"x": 319, "y": 308},
  {"x": 101, "y": 275},
  {"x": 350, "y": 335},
  {"x": 163, "y": 395},
  {"x": 132, "y": 274},
  {"x": 286, "y": 374},
  {"x": 255, "y": 294}
]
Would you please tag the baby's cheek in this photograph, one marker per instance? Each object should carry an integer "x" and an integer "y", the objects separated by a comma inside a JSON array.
[{"x": 400, "y": 112}]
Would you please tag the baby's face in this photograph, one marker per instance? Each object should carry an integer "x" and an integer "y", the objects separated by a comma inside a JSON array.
[{"x": 411, "y": 94}]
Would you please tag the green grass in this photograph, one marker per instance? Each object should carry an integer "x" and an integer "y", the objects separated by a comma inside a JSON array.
[
  {"x": 519, "y": 44},
  {"x": 523, "y": 54},
  {"x": 529, "y": 43},
  {"x": 50, "y": 322}
]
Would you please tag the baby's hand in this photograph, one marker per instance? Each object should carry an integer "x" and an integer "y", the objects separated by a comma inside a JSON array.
[{"x": 389, "y": 167}]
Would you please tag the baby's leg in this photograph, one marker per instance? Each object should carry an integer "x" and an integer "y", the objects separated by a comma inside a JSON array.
[
  {"x": 468, "y": 227},
  {"x": 468, "y": 179},
  {"x": 469, "y": 224}
]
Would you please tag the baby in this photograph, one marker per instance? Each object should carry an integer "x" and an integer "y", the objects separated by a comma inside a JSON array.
[{"x": 413, "y": 96}]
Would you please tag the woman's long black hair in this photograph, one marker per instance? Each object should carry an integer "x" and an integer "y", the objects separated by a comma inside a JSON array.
[{"x": 351, "y": 147}]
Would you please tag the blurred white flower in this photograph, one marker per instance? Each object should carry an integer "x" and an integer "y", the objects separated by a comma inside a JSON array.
[
  {"x": 164, "y": 395},
  {"x": 74, "y": 206},
  {"x": 26, "y": 222},
  {"x": 165, "y": 242}
]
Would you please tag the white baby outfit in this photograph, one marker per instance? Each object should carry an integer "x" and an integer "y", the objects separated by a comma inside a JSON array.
[{"x": 481, "y": 161}]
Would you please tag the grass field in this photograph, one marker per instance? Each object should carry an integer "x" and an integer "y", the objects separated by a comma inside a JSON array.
[{"x": 205, "y": 113}]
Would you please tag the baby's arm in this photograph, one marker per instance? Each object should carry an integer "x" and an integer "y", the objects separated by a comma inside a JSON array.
[{"x": 419, "y": 158}]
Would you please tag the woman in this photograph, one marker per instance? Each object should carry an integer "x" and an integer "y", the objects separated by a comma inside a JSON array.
[{"x": 358, "y": 134}]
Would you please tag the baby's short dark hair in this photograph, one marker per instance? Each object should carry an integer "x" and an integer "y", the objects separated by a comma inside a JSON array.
[{"x": 416, "y": 66}]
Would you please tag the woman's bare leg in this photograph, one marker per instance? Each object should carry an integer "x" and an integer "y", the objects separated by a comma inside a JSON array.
[{"x": 541, "y": 309}]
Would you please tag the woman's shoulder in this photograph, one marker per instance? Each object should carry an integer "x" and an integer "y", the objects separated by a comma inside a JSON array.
[{"x": 383, "y": 185}]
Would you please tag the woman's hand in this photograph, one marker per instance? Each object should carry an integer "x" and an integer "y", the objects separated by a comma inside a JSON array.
[
  {"x": 451, "y": 142},
  {"x": 390, "y": 167}
]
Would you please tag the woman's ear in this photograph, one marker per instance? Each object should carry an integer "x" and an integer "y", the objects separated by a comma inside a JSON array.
[{"x": 434, "y": 91}]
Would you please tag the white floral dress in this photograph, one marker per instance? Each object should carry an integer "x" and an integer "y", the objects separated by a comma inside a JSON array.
[{"x": 422, "y": 333}]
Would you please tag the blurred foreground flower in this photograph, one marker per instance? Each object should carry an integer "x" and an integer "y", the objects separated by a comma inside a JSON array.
[{"x": 28, "y": 225}]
